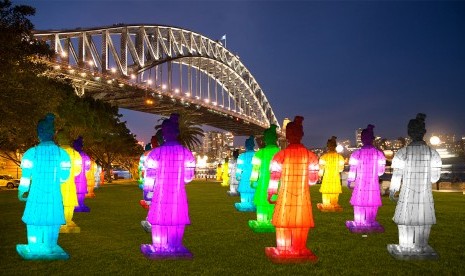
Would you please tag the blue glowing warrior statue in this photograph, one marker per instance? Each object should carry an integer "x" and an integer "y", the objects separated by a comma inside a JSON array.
[{"x": 48, "y": 166}]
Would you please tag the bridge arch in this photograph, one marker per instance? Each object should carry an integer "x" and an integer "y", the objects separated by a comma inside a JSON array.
[{"x": 133, "y": 65}]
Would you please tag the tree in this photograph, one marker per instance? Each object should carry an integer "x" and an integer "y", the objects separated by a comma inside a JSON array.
[
  {"x": 25, "y": 95},
  {"x": 189, "y": 130}
]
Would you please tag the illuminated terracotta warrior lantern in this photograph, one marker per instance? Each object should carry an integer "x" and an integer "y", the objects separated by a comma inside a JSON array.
[
  {"x": 416, "y": 167},
  {"x": 219, "y": 172},
  {"x": 260, "y": 179},
  {"x": 225, "y": 173},
  {"x": 68, "y": 188},
  {"x": 98, "y": 171},
  {"x": 170, "y": 166},
  {"x": 243, "y": 173},
  {"x": 233, "y": 183},
  {"x": 145, "y": 202},
  {"x": 331, "y": 165},
  {"x": 141, "y": 166},
  {"x": 296, "y": 168},
  {"x": 147, "y": 187},
  {"x": 90, "y": 176},
  {"x": 367, "y": 164},
  {"x": 48, "y": 166},
  {"x": 81, "y": 179}
]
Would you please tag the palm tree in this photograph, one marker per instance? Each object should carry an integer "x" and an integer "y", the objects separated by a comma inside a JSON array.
[{"x": 190, "y": 131}]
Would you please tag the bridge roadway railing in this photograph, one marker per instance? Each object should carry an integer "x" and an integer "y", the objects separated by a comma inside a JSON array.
[
  {"x": 135, "y": 96},
  {"x": 152, "y": 46}
]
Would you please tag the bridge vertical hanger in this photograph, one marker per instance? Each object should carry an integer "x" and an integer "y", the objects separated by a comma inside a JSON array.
[
  {"x": 124, "y": 50},
  {"x": 153, "y": 47}
]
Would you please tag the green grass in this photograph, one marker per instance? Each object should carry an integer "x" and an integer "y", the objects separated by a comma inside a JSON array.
[{"x": 222, "y": 242}]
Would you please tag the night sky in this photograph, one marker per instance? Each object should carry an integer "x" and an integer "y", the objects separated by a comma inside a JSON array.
[{"x": 340, "y": 64}]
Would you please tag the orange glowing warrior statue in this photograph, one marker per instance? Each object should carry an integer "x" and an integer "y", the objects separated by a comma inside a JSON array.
[{"x": 296, "y": 168}]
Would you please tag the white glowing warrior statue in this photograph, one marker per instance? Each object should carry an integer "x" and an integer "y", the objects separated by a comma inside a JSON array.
[{"x": 417, "y": 166}]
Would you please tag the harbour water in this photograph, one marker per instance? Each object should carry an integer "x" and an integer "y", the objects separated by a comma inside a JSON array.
[{"x": 453, "y": 170}]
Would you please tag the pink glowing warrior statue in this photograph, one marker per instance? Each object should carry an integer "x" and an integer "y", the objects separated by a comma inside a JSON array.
[
  {"x": 296, "y": 168},
  {"x": 366, "y": 166},
  {"x": 331, "y": 166},
  {"x": 169, "y": 167},
  {"x": 81, "y": 179},
  {"x": 416, "y": 167}
]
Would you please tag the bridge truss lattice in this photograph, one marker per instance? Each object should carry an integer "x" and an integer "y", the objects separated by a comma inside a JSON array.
[{"x": 160, "y": 70}]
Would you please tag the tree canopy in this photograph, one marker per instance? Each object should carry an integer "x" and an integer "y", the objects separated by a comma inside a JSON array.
[{"x": 27, "y": 94}]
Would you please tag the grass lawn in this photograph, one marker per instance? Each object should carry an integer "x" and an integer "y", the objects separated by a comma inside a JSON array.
[{"x": 221, "y": 241}]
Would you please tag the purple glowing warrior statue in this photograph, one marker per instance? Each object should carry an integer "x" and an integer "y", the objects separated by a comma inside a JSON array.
[
  {"x": 169, "y": 167},
  {"x": 366, "y": 166}
]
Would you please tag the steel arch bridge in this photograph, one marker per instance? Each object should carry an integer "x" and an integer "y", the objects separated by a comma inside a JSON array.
[{"x": 161, "y": 69}]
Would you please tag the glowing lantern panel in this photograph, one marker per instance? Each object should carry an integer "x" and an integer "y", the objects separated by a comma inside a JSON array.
[
  {"x": 49, "y": 166},
  {"x": 243, "y": 173},
  {"x": 416, "y": 167},
  {"x": 296, "y": 168},
  {"x": 170, "y": 166},
  {"x": 261, "y": 178}
]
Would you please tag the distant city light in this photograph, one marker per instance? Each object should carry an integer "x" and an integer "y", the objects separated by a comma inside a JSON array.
[
  {"x": 202, "y": 161},
  {"x": 434, "y": 140},
  {"x": 113, "y": 70},
  {"x": 163, "y": 86}
]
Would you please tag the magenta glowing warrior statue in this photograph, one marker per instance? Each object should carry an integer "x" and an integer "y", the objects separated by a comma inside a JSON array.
[
  {"x": 81, "y": 179},
  {"x": 169, "y": 166},
  {"x": 68, "y": 188},
  {"x": 331, "y": 166},
  {"x": 416, "y": 167},
  {"x": 366, "y": 166},
  {"x": 232, "y": 166},
  {"x": 260, "y": 179},
  {"x": 243, "y": 173},
  {"x": 296, "y": 168},
  {"x": 48, "y": 166}
]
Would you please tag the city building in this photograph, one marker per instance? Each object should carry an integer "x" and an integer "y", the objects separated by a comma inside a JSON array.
[{"x": 217, "y": 146}]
